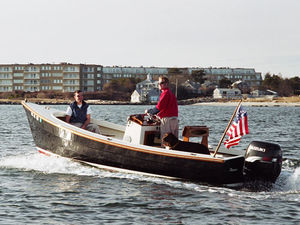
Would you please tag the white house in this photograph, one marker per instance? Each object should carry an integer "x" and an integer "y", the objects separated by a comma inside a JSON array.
[
  {"x": 146, "y": 90},
  {"x": 227, "y": 93},
  {"x": 264, "y": 94},
  {"x": 136, "y": 97}
]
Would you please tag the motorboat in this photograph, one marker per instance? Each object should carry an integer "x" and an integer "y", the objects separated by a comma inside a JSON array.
[{"x": 136, "y": 148}]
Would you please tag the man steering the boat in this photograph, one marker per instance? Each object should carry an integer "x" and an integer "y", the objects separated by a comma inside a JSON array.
[
  {"x": 166, "y": 109},
  {"x": 79, "y": 114}
]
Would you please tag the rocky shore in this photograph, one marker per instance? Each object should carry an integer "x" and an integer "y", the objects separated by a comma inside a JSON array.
[
  {"x": 98, "y": 102},
  {"x": 60, "y": 102},
  {"x": 260, "y": 102},
  {"x": 257, "y": 104}
]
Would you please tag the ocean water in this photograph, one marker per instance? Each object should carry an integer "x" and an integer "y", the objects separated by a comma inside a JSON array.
[{"x": 36, "y": 189}]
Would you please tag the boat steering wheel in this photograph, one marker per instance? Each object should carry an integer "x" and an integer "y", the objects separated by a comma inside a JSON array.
[{"x": 152, "y": 119}]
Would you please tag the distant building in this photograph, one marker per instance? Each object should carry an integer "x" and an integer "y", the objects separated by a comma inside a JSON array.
[
  {"x": 192, "y": 87},
  {"x": 259, "y": 93},
  {"x": 67, "y": 77},
  {"x": 209, "y": 84},
  {"x": 242, "y": 85},
  {"x": 91, "y": 78},
  {"x": 114, "y": 72},
  {"x": 42, "y": 77},
  {"x": 249, "y": 76},
  {"x": 146, "y": 91},
  {"x": 222, "y": 93},
  {"x": 153, "y": 95},
  {"x": 136, "y": 97}
]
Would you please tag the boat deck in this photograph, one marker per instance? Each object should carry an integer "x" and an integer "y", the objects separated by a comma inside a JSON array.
[{"x": 117, "y": 131}]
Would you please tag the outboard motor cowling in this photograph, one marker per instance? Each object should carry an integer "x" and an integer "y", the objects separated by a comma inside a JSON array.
[{"x": 263, "y": 161}]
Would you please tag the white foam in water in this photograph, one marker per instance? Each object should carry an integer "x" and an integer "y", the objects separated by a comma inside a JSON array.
[
  {"x": 293, "y": 182},
  {"x": 290, "y": 182},
  {"x": 45, "y": 164},
  {"x": 52, "y": 164},
  {"x": 60, "y": 165}
]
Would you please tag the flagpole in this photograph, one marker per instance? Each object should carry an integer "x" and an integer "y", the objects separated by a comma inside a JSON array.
[{"x": 222, "y": 138}]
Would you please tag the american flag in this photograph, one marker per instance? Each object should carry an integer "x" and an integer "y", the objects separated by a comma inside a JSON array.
[{"x": 238, "y": 128}]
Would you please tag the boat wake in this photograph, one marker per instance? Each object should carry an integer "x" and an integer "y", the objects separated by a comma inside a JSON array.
[{"x": 287, "y": 183}]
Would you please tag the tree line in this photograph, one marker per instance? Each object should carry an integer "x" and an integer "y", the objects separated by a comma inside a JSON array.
[
  {"x": 121, "y": 89},
  {"x": 283, "y": 86},
  {"x": 117, "y": 89}
]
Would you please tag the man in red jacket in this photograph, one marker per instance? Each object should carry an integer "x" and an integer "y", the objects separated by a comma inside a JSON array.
[{"x": 166, "y": 109}]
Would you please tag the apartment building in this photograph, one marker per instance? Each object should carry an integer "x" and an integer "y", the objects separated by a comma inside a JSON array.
[
  {"x": 249, "y": 76},
  {"x": 39, "y": 77},
  {"x": 6, "y": 78},
  {"x": 113, "y": 72},
  {"x": 59, "y": 77},
  {"x": 91, "y": 78},
  {"x": 67, "y": 77}
]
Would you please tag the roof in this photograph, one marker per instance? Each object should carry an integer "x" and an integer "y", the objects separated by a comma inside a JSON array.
[
  {"x": 149, "y": 80},
  {"x": 228, "y": 89}
]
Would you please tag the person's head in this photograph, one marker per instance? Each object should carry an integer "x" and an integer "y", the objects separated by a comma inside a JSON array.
[
  {"x": 163, "y": 82},
  {"x": 78, "y": 96}
]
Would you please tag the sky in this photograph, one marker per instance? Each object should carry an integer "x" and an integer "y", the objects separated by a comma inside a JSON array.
[{"x": 259, "y": 34}]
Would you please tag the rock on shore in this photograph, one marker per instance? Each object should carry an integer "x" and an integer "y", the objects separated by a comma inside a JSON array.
[{"x": 284, "y": 101}]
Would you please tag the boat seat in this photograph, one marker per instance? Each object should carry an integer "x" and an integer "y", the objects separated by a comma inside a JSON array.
[{"x": 196, "y": 131}]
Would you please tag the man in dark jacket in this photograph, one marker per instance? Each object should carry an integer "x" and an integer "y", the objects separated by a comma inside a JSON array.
[{"x": 79, "y": 114}]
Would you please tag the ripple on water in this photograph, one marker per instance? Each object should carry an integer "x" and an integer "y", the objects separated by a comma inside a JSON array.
[{"x": 36, "y": 189}]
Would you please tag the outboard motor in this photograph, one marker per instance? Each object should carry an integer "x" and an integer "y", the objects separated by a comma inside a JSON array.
[{"x": 263, "y": 161}]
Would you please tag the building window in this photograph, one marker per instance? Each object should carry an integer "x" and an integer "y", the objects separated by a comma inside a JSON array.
[
  {"x": 57, "y": 81},
  {"x": 5, "y": 76},
  {"x": 18, "y": 81},
  {"x": 6, "y": 82},
  {"x": 45, "y": 81},
  {"x": 46, "y": 68},
  {"x": 57, "y": 87},
  {"x": 46, "y": 87},
  {"x": 18, "y": 87},
  {"x": 46, "y": 74},
  {"x": 57, "y": 68},
  {"x": 57, "y": 74}
]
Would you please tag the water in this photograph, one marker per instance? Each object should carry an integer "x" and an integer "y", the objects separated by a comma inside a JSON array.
[{"x": 36, "y": 189}]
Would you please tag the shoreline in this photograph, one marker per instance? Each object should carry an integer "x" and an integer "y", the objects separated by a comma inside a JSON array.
[
  {"x": 207, "y": 102},
  {"x": 60, "y": 102},
  {"x": 256, "y": 104}
]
